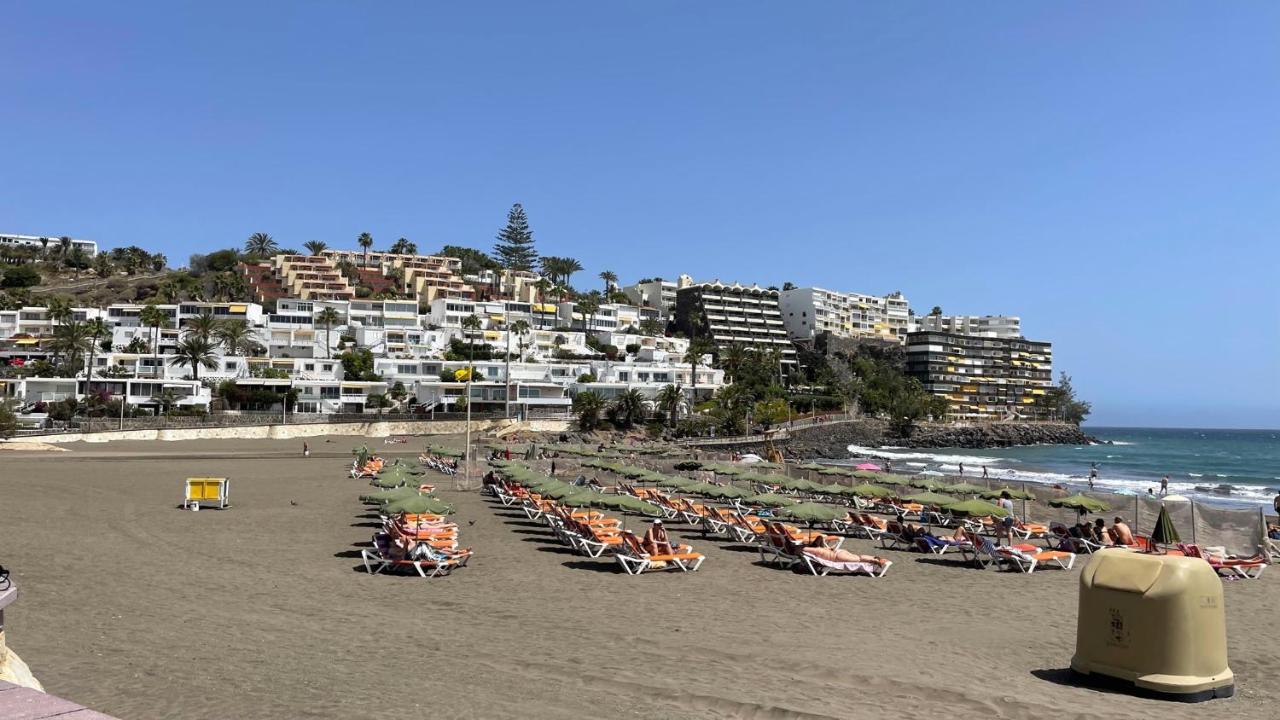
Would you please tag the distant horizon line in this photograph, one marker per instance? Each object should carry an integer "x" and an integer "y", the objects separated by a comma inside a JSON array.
[{"x": 1176, "y": 427}]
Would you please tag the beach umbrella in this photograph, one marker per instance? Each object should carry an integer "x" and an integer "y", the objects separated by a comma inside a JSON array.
[
  {"x": 444, "y": 451},
  {"x": 871, "y": 491},
  {"x": 963, "y": 489},
  {"x": 868, "y": 466},
  {"x": 626, "y": 503},
  {"x": 728, "y": 492},
  {"x": 798, "y": 484},
  {"x": 892, "y": 479},
  {"x": 812, "y": 512},
  {"x": 1014, "y": 493},
  {"x": 1176, "y": 498},
  {"x": 832, "y": 489},
  {"x": 1080, "y": 503},
  {"x": 813, "y": 466},
  {"x": 864, "y": 474},
  {"x": 546, "y": 485},
  {"x": 1164, "y": 533},
  {"x": 686, "y": 465},
  {"x": 727, "y": 470},
  {"x": 931, "y": 498},
  {"x": 925, "y": 483},
  {"x": 976, "y": 508},
  {"x": 769, "y": 500},
  {"x": 389, "y": 481},
  {"x": 677, "y": 482},
  {"x": 418, "y": 505},
  {"x": 384, "y": 496}
]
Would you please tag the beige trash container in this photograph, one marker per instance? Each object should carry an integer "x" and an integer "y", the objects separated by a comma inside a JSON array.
[{"x": 1155, "y": 624}]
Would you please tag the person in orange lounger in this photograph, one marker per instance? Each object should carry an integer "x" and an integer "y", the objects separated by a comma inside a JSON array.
[{"x": 657, "y": 542}]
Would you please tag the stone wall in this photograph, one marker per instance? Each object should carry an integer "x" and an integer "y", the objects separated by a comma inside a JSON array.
[
  {"x": 832, "y": 441},
  {"x": 382, "y": 428}
]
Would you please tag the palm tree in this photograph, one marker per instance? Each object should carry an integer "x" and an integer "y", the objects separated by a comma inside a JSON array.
[
  {"x": 158, "y": 261},
  {"x": 588, "y": 404},
  {"x": 59, "y": 308},
  {"x": 195, "y": 352},
  {"x": 669, "y": 399},
  {"x": 70, "y": 339},
  {"x": 697, "y": 348},
  {"x": 167, "y": 398},
  {"x": 64, "y": 245},
  {"x": 610, "y": 280},
  {"x": 542, "y": 286},
  {"x": 571, "y": 266},
  {"x": 365, "y": 241},
  {"x": 315, "y": 247},
  {"x": 732, "y": 360},
  {"x": 470, "y": 323},
  {"x": 44, "y": 247},
  {"x": 202, "y": 326},
  {"x": 153, "y": 317},
  {"x": 520, "y": 328},
  {"x": 261, "y": 244},
  {"x": 404, "y": 247},
  {"x": 236, "y": 335},
  {"x": 629, "y": 408},
  {"x": 96, "y": 330},
  {"x": 587, "y": 307},
  {"x": 327, "y": 317}
]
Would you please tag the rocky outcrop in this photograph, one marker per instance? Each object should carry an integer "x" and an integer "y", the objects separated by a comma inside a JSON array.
[
  {"x": 995, "y": 435},
  {"x": 833, "y": 441}
]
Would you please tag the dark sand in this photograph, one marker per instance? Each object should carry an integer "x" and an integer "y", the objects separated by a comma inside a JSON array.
[{"x": 141, "y": 610}]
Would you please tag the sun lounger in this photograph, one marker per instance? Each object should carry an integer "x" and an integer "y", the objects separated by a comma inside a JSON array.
[
  {"x": 822, "y": 566},
  {"x": 1245, "y": 568},
  {"x": 1027, "y": 557},
  {"x": 939, "y": 546},
  {"x": 633, "y": 558}
]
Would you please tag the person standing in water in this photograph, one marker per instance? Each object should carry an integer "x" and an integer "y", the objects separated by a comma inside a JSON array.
[
  {"x": 1093, "y": 474},
  {"x": 961, "y": 469},
  {"x": 1164, "y": 485}
]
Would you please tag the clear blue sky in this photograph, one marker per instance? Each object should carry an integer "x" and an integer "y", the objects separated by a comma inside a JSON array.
[{"x": 1108, "y": 171}]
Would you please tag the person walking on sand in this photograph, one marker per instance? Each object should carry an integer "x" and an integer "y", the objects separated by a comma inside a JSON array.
[
  {"x": 984, "y": 472},
  {"x": 1164, "y": 485},
  {"x": 306, "y": 449},
  {"x": 553, "y": 467},
  {"x": 961, "y": 469}
]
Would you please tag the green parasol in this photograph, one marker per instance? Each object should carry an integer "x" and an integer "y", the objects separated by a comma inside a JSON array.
[
  {"x": 769, "y": 500},
  {"x": 976, "y": 508},
  {"x": 1080, "y": 503},
  {"x": 871, "y": 491},
  {"x": 865, "y": 475},
  {"x": 686, "y": 465},
  {"x": 1014, "y": 493},
  {"x": 812, "y": 512},
  {"x": 1164, "y": 533},
  {"x": 384, "y": 496},
  {"x": 563, "y": 491},
  {"x": 444, "y": 451},
  {"x": 419, "y": 504},
  {"x": 676, "y": 482},
  {"x": 813, "y": 466},
  {"x": 924, "y": 483},
  {"x": 389, "y": 481},
  {"x": 962, "y": 489},
  {"x": 931, "y": 498}
]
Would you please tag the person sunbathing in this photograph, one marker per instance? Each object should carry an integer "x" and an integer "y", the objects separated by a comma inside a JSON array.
[
  {"x": 657, "y": 542},
  {"x": 1120, "y": 533},
  {"x": 842, "y": 556}
]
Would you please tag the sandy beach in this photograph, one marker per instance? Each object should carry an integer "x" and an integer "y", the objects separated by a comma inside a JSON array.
[{"x": 141, "y": 610}]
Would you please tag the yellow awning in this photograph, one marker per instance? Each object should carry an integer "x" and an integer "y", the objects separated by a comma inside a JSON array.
[
  {"x": 26, "y": 341},
  {"x": 491, "y": 335},
  {"x": 545, "y": 307},
  {"x": 239, "y": 308}
]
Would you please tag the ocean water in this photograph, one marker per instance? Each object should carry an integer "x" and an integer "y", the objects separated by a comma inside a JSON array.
[{"x": 1230, "y": 467}]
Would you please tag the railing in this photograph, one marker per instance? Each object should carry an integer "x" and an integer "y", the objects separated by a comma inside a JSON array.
[
  {"x": 782, "y": 432},
  {"x": 246, "y": 419}
]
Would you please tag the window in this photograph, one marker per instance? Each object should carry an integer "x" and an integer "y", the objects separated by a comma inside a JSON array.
[
  {"x": 330, "y": 393},
  {"x": 309, "y": 367}
]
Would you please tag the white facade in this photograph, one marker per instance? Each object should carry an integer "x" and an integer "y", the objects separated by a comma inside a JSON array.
[
  {"x": 89, "y": 247},
  {"x": 656, "y": 293},
  {"x": 808, "y": 312},
  {"x": 996, "y": 326}
]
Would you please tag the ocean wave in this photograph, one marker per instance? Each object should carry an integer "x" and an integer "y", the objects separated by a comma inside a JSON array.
[
  {"x": 1196, "y": 474},
  {"x": 885, "y": 453},
  {"x": 1120, "y": 442}
]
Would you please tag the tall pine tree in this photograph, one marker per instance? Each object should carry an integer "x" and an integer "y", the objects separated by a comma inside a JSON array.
[{"x": 514, "y": 248}]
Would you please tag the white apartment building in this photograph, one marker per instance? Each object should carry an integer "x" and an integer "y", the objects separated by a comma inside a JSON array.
[
  {"x": 656, "y": 293},
  {"x": 809, "y": 312},
  {"x": 995, "y": 326},
  {"x": 54, "y": 243},
  {"x": 608, "y": 318},
  {"x": 30, "y": 391}
]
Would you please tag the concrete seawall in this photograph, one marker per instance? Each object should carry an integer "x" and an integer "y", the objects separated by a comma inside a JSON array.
[{"x": 375, "y": 428}]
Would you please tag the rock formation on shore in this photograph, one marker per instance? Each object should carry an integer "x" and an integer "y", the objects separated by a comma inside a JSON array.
[{"x": 832, "y": 441}]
